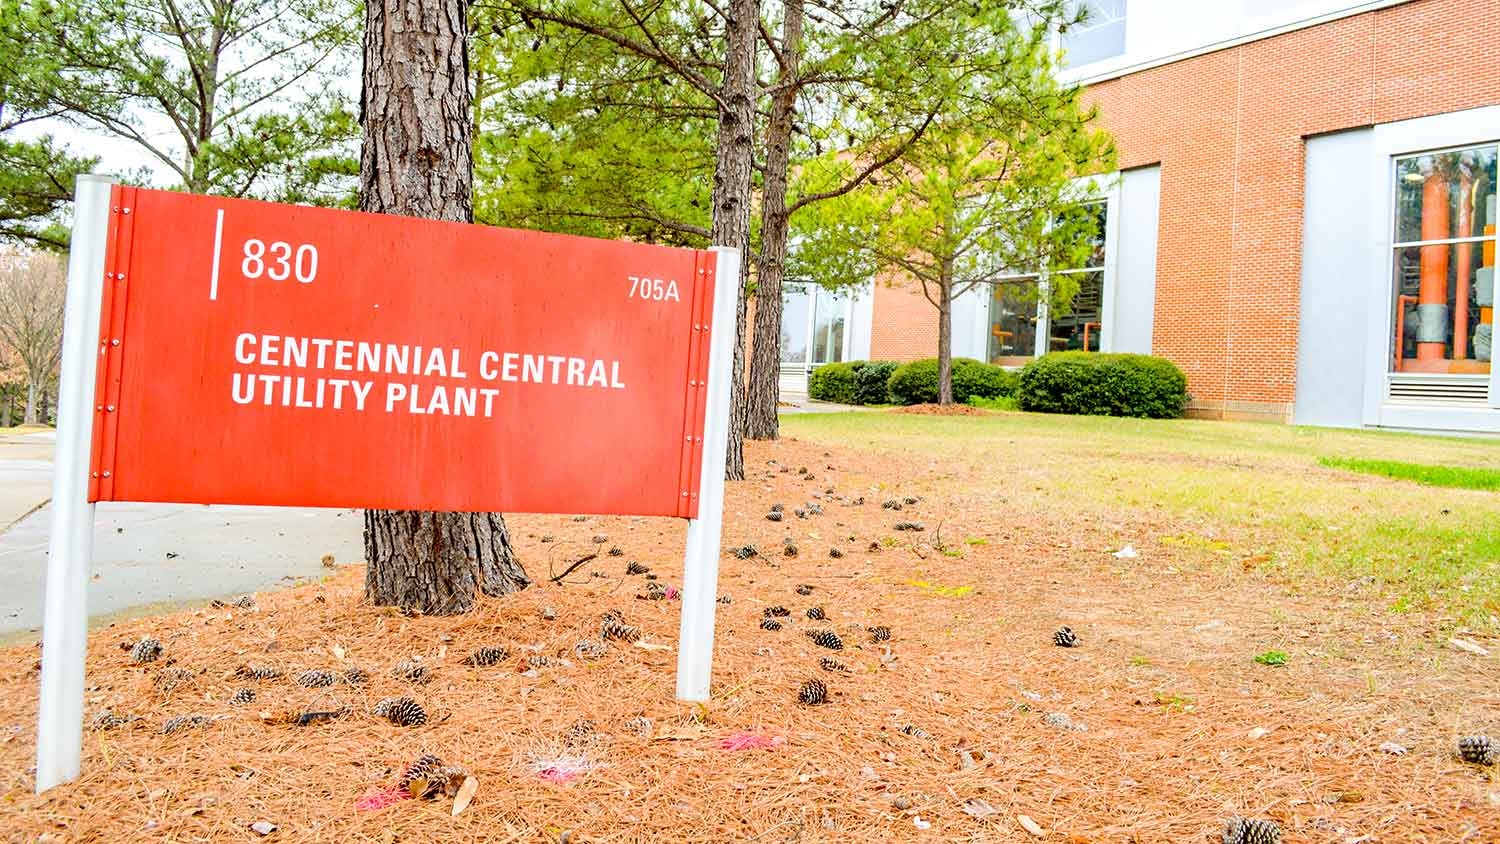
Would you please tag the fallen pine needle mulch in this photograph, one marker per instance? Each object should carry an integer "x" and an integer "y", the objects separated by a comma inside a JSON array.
[{"x": 966, "y": 719}]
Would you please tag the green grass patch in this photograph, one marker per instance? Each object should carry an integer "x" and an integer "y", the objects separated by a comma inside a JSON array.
[
  {"x": 997, "y": 403},
  {"x": 1457, "y": 477},
  {"x": 1271, "y": 658}
]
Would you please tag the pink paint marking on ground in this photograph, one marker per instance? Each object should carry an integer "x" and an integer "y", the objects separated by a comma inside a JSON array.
[
  {"x": 377, "y": 800},
  {"x": 748, "y": 741},
  {"x": 558, "y": 776}
]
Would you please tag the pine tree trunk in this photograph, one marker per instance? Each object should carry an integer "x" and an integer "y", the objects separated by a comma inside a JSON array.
[
  {"x": 417, "y": 160},
  {"x": 761, "y": 422},
  {"x": 733, "y": 157},
  {"x": 945, "y": 339}
]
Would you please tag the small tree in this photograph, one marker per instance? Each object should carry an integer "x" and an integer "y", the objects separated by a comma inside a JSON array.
[
  {"x": 990, "y": 188},
  {"x": 33, "y": 286}
]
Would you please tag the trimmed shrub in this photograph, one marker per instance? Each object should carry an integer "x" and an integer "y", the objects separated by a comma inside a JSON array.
[
  {"x": 832, "y": 382},
  {"x": 973, "y": 379},
  {"x": 917, "y": 382},
  {"x": 871, "y": 380},
  {"x": 1095, "y": 384}
]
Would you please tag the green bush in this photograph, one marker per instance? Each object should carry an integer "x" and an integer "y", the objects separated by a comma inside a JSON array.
[
  {"x": 917, "y": 382},
  {"x": 1094, "y": 384},
  {"x": 832, "y": 382},
  {"x": 871, "y": 379}
]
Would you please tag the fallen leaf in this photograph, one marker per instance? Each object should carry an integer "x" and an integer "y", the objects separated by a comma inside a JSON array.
[
  {"x": 263, "y": 827},
  {"x": 979, "y": 808},
  {"x": 465, "y": 794},
  {"x": 1469, "y": 646},
  {"x": 1030, "y": 825}
]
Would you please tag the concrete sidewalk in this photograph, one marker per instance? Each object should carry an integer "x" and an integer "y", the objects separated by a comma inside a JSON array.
[{"x": 156, "y": 555}]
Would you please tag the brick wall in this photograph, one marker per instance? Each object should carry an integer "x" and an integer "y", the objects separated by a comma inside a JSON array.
[{"x": 1227, "y": 129}]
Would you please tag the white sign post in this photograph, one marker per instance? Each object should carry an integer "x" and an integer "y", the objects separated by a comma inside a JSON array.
[
  {"x": 59, "y": 730},
  {"x": 700, "y": 570}
]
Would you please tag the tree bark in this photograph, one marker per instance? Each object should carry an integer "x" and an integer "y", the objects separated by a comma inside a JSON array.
[
  {"x": 945, "y": 335},
  {"x": 417, "y": 160},
  {"x": 31, "y": 402},
  {"x": 761, "y": 422},
  {"x": 733, "y": 158}
]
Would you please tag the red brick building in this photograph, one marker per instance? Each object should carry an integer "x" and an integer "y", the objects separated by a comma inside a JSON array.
[{"x": 1303, "y": 219}]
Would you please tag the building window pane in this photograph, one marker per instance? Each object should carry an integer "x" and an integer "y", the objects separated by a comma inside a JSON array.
[
  {"x": 1443, "y": 268},
  {"x": 1444, "y": 195},
  {"x": 795, "y": 303},
  {"x": 828, "y": 328},
  {"x": 1100, "y": 36},
  {"x": 1080, "y": 328},
  {"x": 1013, "y": 306}
]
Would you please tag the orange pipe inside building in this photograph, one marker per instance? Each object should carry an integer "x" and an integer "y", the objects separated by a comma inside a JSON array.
[
  {"x": 1465, "y": 269},
  {"x": 1434, "y": 284}
]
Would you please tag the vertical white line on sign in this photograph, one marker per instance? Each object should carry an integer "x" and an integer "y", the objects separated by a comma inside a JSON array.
[
  {"x": 213, "y": 279},
  {"x": 700, "y": 577},
  {"x": 59, "y": 723}
]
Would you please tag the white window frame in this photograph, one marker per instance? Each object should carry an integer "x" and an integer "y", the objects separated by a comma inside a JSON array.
[
  {"x": 1103, "y": 188},
  {"x": 1124, "y": 21},
  {"x": 822, "y": 295},
  {"x": 1457, "y": 130}
]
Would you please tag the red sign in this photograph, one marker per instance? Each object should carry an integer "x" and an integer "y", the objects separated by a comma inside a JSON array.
[{"x": 254, "y": 353}]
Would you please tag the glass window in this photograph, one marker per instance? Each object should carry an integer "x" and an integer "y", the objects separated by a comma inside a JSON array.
[
  {"x": 1100, "y": 36},
  {"x": 828, "y": 328},
  {"x": 1013, "y": 320},
  {"x": 1078, "y": 327},
  {"x": 1443, "y": 263},
  {"x": 795, "y": 305}
]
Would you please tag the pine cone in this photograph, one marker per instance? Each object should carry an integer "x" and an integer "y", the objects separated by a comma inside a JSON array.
[
  {"x": 1065, "y": 638},
  {"x": 168, "y": 679},
  {"x": 1477, "y": 749},
  {"x": 316, "y": 679},
  {"x": 828, "y": 663},
  {"x": 1251, "y": 831},
  {"x": 826, "y": 639},
  {"x": 774, "y": 516},
  {"x": 487, "y": 655},
  {"x": 768, "y": 623},
  {"x": 246, "y": 602},
  {"x": 804, "y": 589},
  {"x": 412, "y": 671},
  {"x": 107, "y": 720},
  {"x": 242, "y": 697},
  {"x": 725, "y": 599},
  {"x": 401, "y": 711},
  {"x": 356, "y": 676},
  {"x": 835, "y": 553},
  {"x": 427, "y": 777},
  {"x": 916, "y": 527},
  {"x": 589, "y": 649},
  {"x": 655, "y": 591},
  {"x": 812, "y": 693},
  {"x": 259, "y": 672},
  {"x": 634, "y": 567},
  {"x": 619, "y": 631},
  {"x": 777, "y": 508},
  {"x": 184, "y": 722},
  {"x": 816, "y": 613},
  {"x": 891, "y": 504},
  {"x": 879, "y": 633},
  {"x": 580, "y": 732},
  {"x": 777, "y": 612},
  {"x": 916, "y": 732},
  {"x": 789, "y": 550},
  {"x": 910, "y": 499},
  {"x": 146, "y": 650},
  {"x": 640, "y": 725},
  {"x": 614, "y": 551}
]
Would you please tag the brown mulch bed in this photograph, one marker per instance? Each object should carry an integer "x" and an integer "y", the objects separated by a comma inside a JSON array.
[
  {"x": 942, "y": 410},
  {"x": 1163, "y": 682}
]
